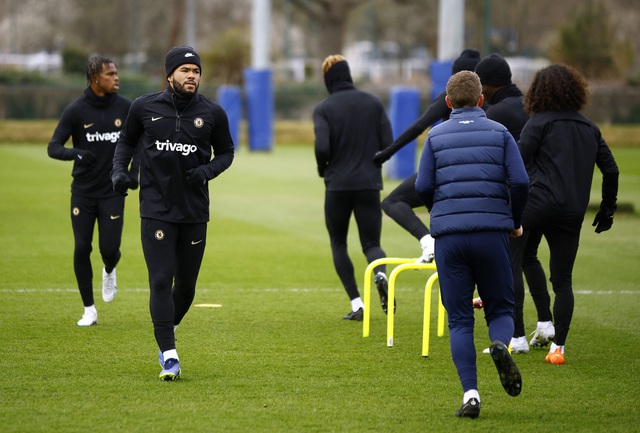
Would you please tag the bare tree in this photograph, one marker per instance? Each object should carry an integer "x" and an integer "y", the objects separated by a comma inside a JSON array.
[{"x": 331, "y": 19}]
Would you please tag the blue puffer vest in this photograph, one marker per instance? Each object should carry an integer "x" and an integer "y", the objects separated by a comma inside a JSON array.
[{"x": 471, "y": 192}]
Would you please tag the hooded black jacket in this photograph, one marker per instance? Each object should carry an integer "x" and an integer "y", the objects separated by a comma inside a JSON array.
[
  {"x": 350, "y": 127},
  {"x": 507, "y": 107},
  {"x": 176, "y": 134},
  {"x": 560, "y": 150}
]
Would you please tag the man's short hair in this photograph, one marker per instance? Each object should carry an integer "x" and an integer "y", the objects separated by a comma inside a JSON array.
[
  {"x": 464, "y": 89},
  {"x": 330, "y": 61}
]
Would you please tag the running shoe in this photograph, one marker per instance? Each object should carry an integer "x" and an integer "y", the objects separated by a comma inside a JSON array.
[
  {"x": 519, "y": 345},
  {"x": 355, "y": 315},
  {"x": 170, "y": 370},
  {"x": 89, "y": 318},
  {"x": 556, "y": 357},
  {"x": 470, "y": 409},
  {"x": 382, "y": 284},
  {"x": 507, "y": 369},
  {"x": 109, "y": 288},
  {"x": 542, "y": 336}
]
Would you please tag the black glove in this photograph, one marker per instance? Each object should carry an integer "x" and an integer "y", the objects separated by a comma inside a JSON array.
[
  {"x": 196, "y": 177},
  {"x": 84, "y": 158},
  {"x": 603, "y": 220},
  {"x": 380, "y": 158},
  {"x": 120, "y": 182},
  {"x": 133, "y": 181}
]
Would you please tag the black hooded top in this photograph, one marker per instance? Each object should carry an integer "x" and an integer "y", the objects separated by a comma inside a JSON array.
[{"x": 350, "y": 127}]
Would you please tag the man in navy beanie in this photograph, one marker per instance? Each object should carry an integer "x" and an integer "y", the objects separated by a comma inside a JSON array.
[
  {"x": 184, "y": 143},
  {"x": 506, "y": 106},
  {"x": 182, "y": 55}
]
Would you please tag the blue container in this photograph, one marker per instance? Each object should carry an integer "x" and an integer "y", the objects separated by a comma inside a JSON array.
[
  {"x": 230, "y": 98},
  {"x": 404, "y": 109},
  {"x": 440, "y": 74},
  {"x": 260, "y": 108}
]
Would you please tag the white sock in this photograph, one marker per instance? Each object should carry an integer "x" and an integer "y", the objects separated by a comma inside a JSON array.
[
  {"x": 544, "y": 324},
  {"x": 554, "y": 346},
  {"x": 356, "y": 304},
  {"x": 170, "y": 354},
  {"x": 91, "y": 309},
  {"x": 472, "y": 393}
]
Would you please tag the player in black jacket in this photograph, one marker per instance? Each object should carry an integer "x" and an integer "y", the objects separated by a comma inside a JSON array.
[
  {"x": 350, "y": 126},
  {"x": 179, "y": 131},
  {"x": 561, "y": 147},
  {"x": 399, "y": 204},
  {"x": 93, "y": 122},
  {"x": 506, "y": 106}
]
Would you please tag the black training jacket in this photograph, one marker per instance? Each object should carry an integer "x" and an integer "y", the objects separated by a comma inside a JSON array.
[
  {"x": 507, "y": 107},
  {"x": 350, "y": 127},
  {"x": 94, "y": 124},
  {"x": 176, "y": 135}
]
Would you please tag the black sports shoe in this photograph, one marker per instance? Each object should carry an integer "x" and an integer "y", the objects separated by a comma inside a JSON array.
[
  {"x": 507, "y": 369},
  {"x": 382, "y": 285},
  {"x": 470, "y": 409},
  {"x": 355, "y": 315}
]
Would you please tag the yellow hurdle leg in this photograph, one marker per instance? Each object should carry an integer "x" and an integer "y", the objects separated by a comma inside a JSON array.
[
  {"x": 392, "y": 293},
  {"x": 441, "y": 314},
  {"x": 366, "y": 317},
  {"x": 426, "y": 321}
]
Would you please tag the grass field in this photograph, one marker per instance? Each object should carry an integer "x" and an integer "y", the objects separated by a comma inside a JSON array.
[{"x": 275, "y": 356}]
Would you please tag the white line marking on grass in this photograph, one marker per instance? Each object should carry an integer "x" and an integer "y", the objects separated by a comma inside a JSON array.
[
  {"x": 205, "y": 290},
  {"x": 291, "y": 290}
]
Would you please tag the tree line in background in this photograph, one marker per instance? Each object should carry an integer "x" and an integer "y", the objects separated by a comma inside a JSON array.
[{"x": 596, "y": 36}]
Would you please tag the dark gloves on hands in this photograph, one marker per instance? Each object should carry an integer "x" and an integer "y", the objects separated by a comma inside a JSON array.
[
  {"x": 380, "y": 158},
  {"x": 133, "y": 181},
  {"x": 603, "y": 220},
  {"x": 196, "y": 177},
  {"x": 84, "y": 158},
  {"x": 121, "y": 182}
]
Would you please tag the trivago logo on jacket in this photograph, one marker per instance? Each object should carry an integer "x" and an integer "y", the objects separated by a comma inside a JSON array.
[
  {"x": 103, "y": 136},
  {"x": 185, "y": 149}
]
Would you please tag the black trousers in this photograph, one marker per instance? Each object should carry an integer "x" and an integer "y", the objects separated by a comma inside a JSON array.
[
  {"x": 338, "y": 208},
  {"x": 562, "y": 233},
  {"x": 173, "y": 253},
  {"x": 109, "y": 213},
  {"x": 399, "y": 205}
]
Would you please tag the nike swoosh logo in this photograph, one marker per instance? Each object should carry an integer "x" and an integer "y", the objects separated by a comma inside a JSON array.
[
  {"x": 115, "y": 217},
  {"x": 88, "y": 125},
  {"x": 196, "y": 242},
  {"x": 153, "y": 119},
  {"x": 189, "y": 55}
]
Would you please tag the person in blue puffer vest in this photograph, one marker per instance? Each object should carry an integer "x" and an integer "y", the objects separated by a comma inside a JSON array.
[{"x": 472, "y": 180}]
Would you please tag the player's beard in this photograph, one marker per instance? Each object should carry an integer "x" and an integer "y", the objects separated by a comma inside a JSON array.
[{"x": 180, "y": 90}]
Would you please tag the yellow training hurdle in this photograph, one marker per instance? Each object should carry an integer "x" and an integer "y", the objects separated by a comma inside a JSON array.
[{"x": 403, "y": 264}]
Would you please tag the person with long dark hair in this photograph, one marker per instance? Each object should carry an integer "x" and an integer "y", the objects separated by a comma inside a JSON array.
[{"x": 560, "y": 148}]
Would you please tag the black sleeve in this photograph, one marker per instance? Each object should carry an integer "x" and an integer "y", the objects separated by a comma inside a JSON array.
[
  {"x": 63, "y": 131},
  {"x": 610, "y": 173},
  {"x": 131, "y": 132},
  {"x": 437, "y": 110},
  {"x": 222, "y": 144}
]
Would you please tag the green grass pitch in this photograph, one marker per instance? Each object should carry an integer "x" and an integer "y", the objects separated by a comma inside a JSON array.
[{"x": 274, "y": 355}]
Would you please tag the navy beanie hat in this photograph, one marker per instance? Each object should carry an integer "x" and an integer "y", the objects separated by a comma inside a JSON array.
[
  {"x": 179, "y": 56},
  {"x": 467, "y": 61},
  {"x": 494, "y": 70}
]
